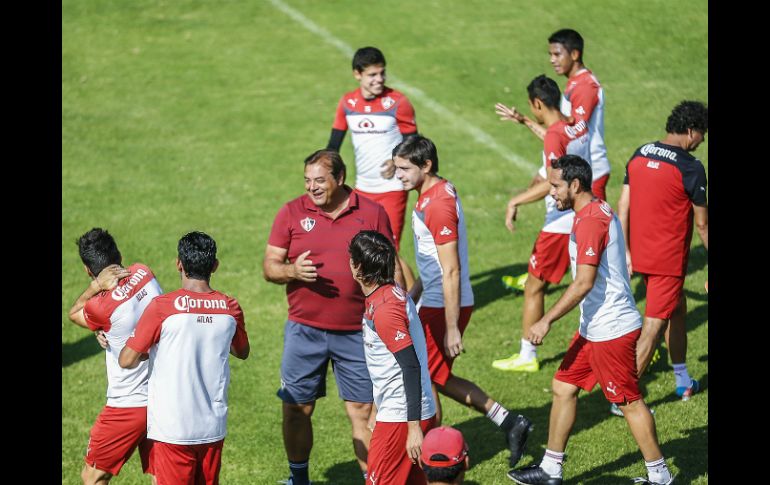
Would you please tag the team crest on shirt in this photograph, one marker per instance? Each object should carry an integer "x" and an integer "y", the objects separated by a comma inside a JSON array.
[
  {"x": 367, "y": 109},
  {"x": 399, "y": 293},
  {"x": 387, "y": 102},
  {"x": 365, "y": 123},
  {"x": 307, "y": 224},
  {"x": 424, "y": 202},
  {"x": 399, "y": 335}
]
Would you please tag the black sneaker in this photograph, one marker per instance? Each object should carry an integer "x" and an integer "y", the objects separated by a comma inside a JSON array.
[
  {"x": 516, "y": 438},
  {"x": 533, "y": 475},
  {"x": 647, "y": 481}
]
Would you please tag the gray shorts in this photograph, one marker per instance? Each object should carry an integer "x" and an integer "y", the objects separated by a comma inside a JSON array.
[{"x": 306, "y": 354}]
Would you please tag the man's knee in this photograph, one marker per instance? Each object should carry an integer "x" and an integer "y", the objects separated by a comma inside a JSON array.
[
  {"x": 299, "y": 412},
  {"x": 534, "y": 286},
  {"x": 358, "y": 411},
  {"x": 564, "y": 390},
  {"x": 93, "y": 476}
]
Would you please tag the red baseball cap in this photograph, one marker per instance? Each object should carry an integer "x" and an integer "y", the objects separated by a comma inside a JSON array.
[{"x": 446, "y": 441}]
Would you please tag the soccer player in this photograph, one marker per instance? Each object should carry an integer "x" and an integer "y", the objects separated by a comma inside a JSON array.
[
  {"x": 121, "y": 427},
  {"x": 663, "y": 190},
  {"x": 583, "y": 100},
  {"x": 397, "y": 359},
  {"x": 379, "y": 118},
  {"x": 441, "y": 250},
  {"x": 188, "y": 334},
  {"x": 444, "y": 456},
  {"x": 550, "y": 256},
  {"x": 308, "y": 251},
  {"x": 603, "y": 349}
]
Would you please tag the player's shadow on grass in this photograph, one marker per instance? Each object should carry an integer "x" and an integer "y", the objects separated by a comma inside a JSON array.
[
  {"x": 348, "y": 473},
  {"x": 689, "y": 453},
  {"x": 76, "y": 351},
  {"x": 698, "y": 259},
  {"x": 488, "y": 286}
]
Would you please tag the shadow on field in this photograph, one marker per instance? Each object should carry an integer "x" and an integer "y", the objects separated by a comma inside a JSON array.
[
  {"x": 76, "y": 351},
  {"x": 488, "y": 287},
  {"x": 689, "y": 453},
  {"x": 348, "y": 473},
  {"x": 698, "y": 259}
]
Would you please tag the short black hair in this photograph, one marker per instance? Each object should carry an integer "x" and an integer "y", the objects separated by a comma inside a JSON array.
[
  {"x": 570, "y": 39},
  {"x": 98, "y": 250},
  {"x": 418, "y": 150},
  {"x": 574, "y": 167},
  {"x": 688, "y": 115},
  {"x": 367, "y": 56},
  {"x": 546, "y": 90},
  {"x": 442, "y": 473},
  {"x": 375, "y": 257},
  {"x": 332, "y": 158},
  {"x": 198, "y": 254}
]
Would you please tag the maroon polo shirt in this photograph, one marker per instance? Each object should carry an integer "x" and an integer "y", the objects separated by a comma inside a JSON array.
[{"x": 334, "y": 301}]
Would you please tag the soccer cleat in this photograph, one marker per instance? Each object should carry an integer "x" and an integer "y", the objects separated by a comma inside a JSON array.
[
  {"x": 655, "y": 358},
  {"x": 647, "y": 481},
  {"x": 516, "y": 438},
  {"x": 686, "y": 392},
  {"x": 517, "y": 364},
  {"x": 514, "y": 282},
  {"x": 615, "y": 409},
  {"x": 533, "y": 475}
]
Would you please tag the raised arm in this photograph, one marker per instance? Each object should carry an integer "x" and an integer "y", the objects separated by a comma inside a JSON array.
[
  {"x": 511, "y": 114},
  {"x": 106, "y": 280}
]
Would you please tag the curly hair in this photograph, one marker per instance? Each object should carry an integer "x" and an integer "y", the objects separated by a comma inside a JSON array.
[{"x": 688, "y": 115}]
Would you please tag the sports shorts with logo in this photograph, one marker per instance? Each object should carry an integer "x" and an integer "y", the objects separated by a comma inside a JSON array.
[
  {"x": 550, "y": 257},
  {"x": 599, "y": 187},
  {"x": 187, "y": 464},
  {"x": 388, "y": 463},
  {"x": 434, "y": 325},
  {"x": 611, "y": 363},
  {"x": 394, "y": 204},
  {"x": 306, "y": 354},
  {"x": 663, "y": 295},
  {"x": 115, "y": 435}
]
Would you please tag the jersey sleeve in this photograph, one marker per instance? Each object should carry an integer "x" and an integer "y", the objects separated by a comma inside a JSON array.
[
  {"x": 340, "y": 121},
  {"x": 147, "y": 331},
  {"x": 694, "y": 181},
  {"x": 391, "y": 323},
  {"x": 552, "y": 147},
  {"x": 280, "y": 233},
  {"x": 584, "y": 99},
  {"x": 240, "y": 339},
  {"x": 405, "y": 118},
  {"x": 441, "y": 219},
  {"x": 591, "y": 237},
  {"x": 96, "y": 317}
]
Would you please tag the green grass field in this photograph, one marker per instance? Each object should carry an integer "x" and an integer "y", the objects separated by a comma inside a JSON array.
[{"x": 192, "y": 115}]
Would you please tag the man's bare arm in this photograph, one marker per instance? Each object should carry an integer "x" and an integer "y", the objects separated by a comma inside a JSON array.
[
  {"x": 106, "y": 280},
  {"x": 449, "y": 259},
  {"x": 701, "y": 216},
  {"x": 276, "y": 269}
]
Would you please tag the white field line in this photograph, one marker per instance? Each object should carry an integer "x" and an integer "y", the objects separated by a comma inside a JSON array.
[{"x": 457, "y": 121}]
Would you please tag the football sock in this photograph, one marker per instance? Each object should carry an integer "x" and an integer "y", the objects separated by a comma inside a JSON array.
[
  {"x": 498, "y": 414},
  {"x": 299, "y": 472},
  {"x": 552, "y": 461},
  {"x": 528, "y": 351},
  {"x": 681, "y": 375},
  {"x": 657, "y": 471}
]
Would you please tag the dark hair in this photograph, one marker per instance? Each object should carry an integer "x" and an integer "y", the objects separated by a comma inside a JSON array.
[
  {"x": 418, "y": 150},
  {"x": 570, "y": 39},
  {"x": 375, "y": 257},
  {"x": 367, "y": 56},
  {"x": 442, "y": 473},
  {"x": 574, "y": 167},
  {"x": 688, "y": 115},
  {"x": 198, "y": 254},
  {"x": 98, "y": 250},
  {"x": 546, "y": 90},
  {"x": 332, "y": 159}
]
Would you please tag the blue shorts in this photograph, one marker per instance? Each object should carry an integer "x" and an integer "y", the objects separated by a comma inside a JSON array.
[{"x": 306, "y": 354}]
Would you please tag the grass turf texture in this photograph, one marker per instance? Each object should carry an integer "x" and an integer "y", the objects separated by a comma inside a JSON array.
[{"x": 180, "y": 116}]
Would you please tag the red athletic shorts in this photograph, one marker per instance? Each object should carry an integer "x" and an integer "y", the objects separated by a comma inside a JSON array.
[
  {"x": 115, "y": 435},
  {"x": 388, "y": 463},
  {"x": 434, "y": 326},
  {"x": 550, "y": 257},
  {"x": 395, "y": 206},
  {"x": 599, "y": 187},
  {"x": 611, "y": 363},
  {"x": 663, "y": 294},
  {"x": 187, "y": 464}
]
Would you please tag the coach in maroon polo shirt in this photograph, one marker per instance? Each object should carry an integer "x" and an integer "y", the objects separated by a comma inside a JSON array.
[{"x": 308, "y": 250}]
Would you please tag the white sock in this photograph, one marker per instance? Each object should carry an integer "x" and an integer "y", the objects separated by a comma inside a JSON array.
[
  {"x": 552, "y": 461},
  {"x": 497, "y": 413},
  {"x": 657, "y": 471},
  {"x": 681, "y": 375},
  {"x": 528, "y": 351}
]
